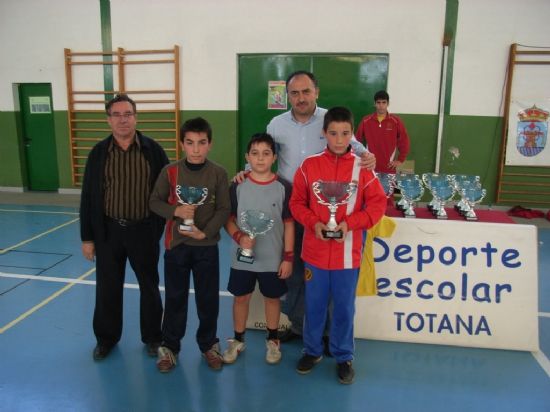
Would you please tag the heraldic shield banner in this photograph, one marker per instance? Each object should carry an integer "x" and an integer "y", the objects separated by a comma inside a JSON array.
[{"x": 527, "y": 143}]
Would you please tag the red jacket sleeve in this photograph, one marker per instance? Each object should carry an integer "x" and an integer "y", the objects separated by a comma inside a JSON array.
[
  {"x": 299, "y": 200},
  {"x": 375, "y": 203}
]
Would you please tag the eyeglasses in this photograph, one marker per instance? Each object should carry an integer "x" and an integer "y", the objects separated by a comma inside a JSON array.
[{"x": 125, "y": 116}]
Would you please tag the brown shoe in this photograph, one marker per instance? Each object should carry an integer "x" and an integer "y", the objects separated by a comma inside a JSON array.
[
  {"x": 213, "y": 357},
  {"x": 166, "y": 359}
]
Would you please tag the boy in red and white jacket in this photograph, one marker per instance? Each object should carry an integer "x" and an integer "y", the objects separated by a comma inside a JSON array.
[{"x": 332, "y": 264}]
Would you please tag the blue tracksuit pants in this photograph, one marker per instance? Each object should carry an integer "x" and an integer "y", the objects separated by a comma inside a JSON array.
[{"x": 322, "y": 286}]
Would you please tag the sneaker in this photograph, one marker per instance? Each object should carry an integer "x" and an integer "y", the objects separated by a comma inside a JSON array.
[
  {"x": 166, "y": 359},
  {"x": 288, "y": 335},
  {"x": 345, "y": 373},
  {"x": 213, "y": 357},
  {"x": 101, "y": 352},
  {"x": 234, "y": 347},
  {"x": 152, "y": 349},
  {"x": 273, "y": 354},
  {"x": 307, "y": 362}
]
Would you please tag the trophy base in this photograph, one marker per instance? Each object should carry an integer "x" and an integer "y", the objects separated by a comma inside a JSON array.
[
  {"x": 330, "y": 234},
  {"x": 244, "y": 258},
  {"x": 185, "y": 228}
]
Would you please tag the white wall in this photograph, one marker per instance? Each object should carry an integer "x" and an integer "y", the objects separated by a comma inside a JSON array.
[
  {"x": 33, "y": 34},
  {"x": 211, "y": 33},
  {"x": 486, "y": 29}
]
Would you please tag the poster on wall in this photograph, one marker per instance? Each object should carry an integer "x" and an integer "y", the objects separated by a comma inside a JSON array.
[
  {"x": 276, "y": 95},
  {"x": 527, "y": 143},
  {"x": 40, "y": 105}
]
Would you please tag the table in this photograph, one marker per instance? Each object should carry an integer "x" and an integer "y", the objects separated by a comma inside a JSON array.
[{"x": 451, "y": 282}]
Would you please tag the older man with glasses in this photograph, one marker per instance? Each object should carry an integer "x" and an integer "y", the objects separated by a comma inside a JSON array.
[{"x": 117, "y": 226}]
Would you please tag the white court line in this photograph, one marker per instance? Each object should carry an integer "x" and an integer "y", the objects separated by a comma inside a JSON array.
[
  {"x": 80, "y": 281},
  {"x": 25, "y": 315},
  {"x": 539, "y": 356},
  {"x": 544, "y": 314},
  {"x": 40, "y": 211},
  {"x": 543, "y": 361},
  {"x": 37, "y": 236}
]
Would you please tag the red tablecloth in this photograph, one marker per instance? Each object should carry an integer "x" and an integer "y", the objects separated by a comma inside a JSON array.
[{"x": 490, "y": 216}]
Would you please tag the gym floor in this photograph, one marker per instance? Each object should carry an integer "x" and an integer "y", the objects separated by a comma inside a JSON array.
[{"x": 46, "y": 306}]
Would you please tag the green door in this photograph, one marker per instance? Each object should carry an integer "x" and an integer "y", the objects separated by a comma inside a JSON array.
[
  {"x": 344, "y": 80},
  {"x": 39, "y": 136}
]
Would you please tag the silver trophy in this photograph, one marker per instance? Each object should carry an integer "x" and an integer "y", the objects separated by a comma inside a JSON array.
[
  {"x": 433, "y": 180},
  {"x": 253, "y": 223},
  {"x": 442, "y": 192},
  {"x": 388, "y": 183},
  {"x": 463, "y": 182},
  {"x": 400, "y": 179},
  {"x": 472, "y": 194},
  {"x": 333, "y": 194},
  {"x": 411, "y": 191},
  {"x": 190, "y": 195}
]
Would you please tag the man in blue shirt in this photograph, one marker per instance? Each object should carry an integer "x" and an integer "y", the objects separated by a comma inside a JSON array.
[{"x": 298, "y": 134}]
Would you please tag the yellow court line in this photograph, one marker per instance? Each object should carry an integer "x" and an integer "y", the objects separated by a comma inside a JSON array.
[
  {"x": 37, "y": 236},
  {"x": 44, "y": 302}
]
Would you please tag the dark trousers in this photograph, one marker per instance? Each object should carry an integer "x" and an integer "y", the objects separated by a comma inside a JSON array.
[
  {"x": 139, "y": 245},
  {"x": 293, "y": 304},
  {"x": 179, "y": 262}
]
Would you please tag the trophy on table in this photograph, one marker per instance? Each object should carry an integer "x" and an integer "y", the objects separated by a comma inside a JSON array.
[
  {"x": 402, "y": 178},
  {"x": 462, "y": 182},
  {"x": 472, "y": 194},
  {"x": 333, "y": 194},
  {"x": 387, "y": 180},
  {"x": 433, "y": 180},
  {"x": 253, "y": 223},
  {"x": 442, "y": 192},
  {"x": 411, "y": 191},
  {"x": 190, "y": 195}
]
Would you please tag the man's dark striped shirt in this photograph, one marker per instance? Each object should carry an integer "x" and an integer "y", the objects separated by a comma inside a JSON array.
[{"x": 127, "y": 190}]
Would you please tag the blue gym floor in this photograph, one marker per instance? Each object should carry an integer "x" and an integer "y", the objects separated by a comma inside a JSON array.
[{"x": 46, "y": 341}]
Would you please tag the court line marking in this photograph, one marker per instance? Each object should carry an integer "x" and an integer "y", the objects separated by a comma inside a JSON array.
[
  {"x": 539, "y": 356},
  {"x": 543, "y": 361},
  {"x": 544, "y": 314},
  {"x": 39, "y": 211},
  {"x": 44, "y": 302},
  {"x": 24, "y": 242},
  {"x": 81, "y": 281}
]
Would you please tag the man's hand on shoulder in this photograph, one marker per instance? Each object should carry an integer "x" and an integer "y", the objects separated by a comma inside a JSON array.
[
  {"x": 240, "y": 176},
  {"x": 368, "y": 160}
]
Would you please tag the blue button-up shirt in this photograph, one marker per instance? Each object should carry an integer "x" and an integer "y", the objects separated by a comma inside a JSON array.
[{"x": 295, "y": 141}]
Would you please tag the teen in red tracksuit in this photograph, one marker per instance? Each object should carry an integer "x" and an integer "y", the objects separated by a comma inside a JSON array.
[
  {"x": 385, "y": 135},
  {"x": 332, "y": 266}
]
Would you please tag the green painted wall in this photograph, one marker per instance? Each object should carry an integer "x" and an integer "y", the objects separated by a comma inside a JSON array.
[
  {"x": 471, "y": 145},
  {"x": 63, "y": 148},
  {"x": 224, "y": 136},
  {"x": 11, "y": 169}
]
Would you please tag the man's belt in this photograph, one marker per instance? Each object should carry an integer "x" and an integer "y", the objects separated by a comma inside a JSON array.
[{"x": 128, "y": 222}]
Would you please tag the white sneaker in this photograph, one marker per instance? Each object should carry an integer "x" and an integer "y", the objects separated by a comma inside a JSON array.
[
  {"x": 273, "y": 354},
  {"x": 234, "y": 347}
]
